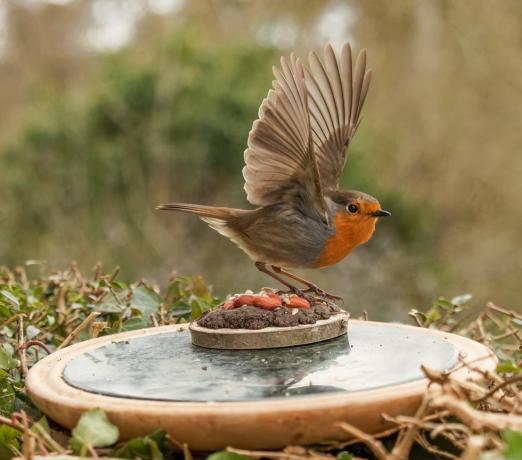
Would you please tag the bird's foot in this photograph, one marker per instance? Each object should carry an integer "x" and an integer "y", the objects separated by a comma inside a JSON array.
[{"x": 322, "y": 294}]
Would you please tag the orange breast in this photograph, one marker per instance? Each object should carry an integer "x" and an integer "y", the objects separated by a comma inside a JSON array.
[{"x": 348, "y": 235}]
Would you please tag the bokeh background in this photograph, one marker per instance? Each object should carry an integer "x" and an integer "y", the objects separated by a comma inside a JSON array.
[{"x": 109, "y": 107}]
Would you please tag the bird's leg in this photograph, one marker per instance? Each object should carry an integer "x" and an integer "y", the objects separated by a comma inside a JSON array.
[
  {"x": 261, "y": 266},
  {"x": 311, "y": 286}
]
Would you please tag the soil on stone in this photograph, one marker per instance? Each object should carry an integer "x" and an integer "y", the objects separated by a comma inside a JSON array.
[{"x": 248, "y": 317}]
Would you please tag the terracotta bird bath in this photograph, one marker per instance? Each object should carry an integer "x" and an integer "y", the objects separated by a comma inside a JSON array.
[{"x": 157, "y": 379}]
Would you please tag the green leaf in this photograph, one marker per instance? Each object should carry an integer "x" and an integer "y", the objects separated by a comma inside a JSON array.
[
  {"x": 134, "y": 324},
  {"x": 145, "y": 300},
  {"x": 461, "y": 300},
  {"x": 508, "y": 366},
  {"x": 7, "y": 361},
  {"x": 43, "y": 424},
  {"x": 7, "y": 394},
  {"x": 343, "y": 456},
  {"x": 11, "y": 298},
  {"x": 109, "y": 304},
  {"x": 32, "y": 332},
  {"x": 443, "y": 303},
  {"x": 513, "y": 445},
  {"x": 226, "y": 455},
  {"x": 147, "y": 447},
  {"x": 93, "y": 430},
  {"x": 8, "y": 441},
  {"x": 432, "y": 315}
]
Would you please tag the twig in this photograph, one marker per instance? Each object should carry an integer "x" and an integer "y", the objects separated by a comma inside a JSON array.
[
  {"x": 9, "y": 321},
  {"x": 504, "y": 311},
  {"x": 12, "y": 422},
  {"x": 21, "y": 346},
  {"x": 32, "y": 343},
  {"x": 351, "y": 442},
  {"x": 48, "y": 439},
  {"x": 373, "y": 444},
  {"x": 85, "y": 324},
  {"x": 433, "y": 450},
  {"x": 473, "y": 448},
  {"x": 28, "y": 444},
  {"x": 514, "y": 379},
  {"x": 402, "y": 448},
  {"x": 272, "y": 454},
  {"x": 114, "y": 274},
  {"x": 476, "y": 419},
  {"x": 153, "y": 320}
]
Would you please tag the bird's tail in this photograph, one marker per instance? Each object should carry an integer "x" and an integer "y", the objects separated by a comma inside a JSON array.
[
  {"x": 220, "y": 219},
  {"x": 198, "y": 209}
]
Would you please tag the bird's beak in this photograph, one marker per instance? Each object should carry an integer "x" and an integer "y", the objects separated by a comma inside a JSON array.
[{"x": 380, "y": 213}]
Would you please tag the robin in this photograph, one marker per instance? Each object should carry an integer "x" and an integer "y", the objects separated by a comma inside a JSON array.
[{"x": 295, "y": 154}]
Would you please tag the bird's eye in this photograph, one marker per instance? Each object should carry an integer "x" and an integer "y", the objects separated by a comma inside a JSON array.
[{"x": 353, "y": 208}]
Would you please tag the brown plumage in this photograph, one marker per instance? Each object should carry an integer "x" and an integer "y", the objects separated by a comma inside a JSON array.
[{"x": 295, "y": 154}]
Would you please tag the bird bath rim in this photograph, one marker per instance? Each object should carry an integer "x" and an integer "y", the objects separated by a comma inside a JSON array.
[{"x": 285, "y": 421}]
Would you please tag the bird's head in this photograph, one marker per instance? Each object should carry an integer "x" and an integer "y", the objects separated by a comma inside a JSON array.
[
  {"x": 355, "y": 206},
  {"x": 355, "y": 214}
]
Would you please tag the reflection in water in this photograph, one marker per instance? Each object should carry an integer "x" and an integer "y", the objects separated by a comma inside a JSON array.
[{"x": 168, "y": 367}]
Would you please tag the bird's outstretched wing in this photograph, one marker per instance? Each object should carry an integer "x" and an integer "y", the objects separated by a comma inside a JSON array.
[
  {"x": 280, "y": 158},
  {"x": 337, "y": 91},
  {"x": 297, "y": 146}
]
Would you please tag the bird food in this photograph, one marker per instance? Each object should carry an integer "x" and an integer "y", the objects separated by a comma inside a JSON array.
[{"x": 269, "y": 320}]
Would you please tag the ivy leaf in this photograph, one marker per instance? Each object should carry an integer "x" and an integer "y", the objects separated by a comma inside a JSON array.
[
  {"x": 93, "y": 430},
  {"x": 32, "y": 332},
  {"x": 461, "y": 300},
  {"x": 7, "y": 361},
  {"x": 226, "y": 455},
  {"x": 9, "y": 440},
  {"x": 443, "y": 303},
  {"x": 7, "y": 394},
  {"x": 147, "y": 447},
  {"x": 513, "y": 445},
  {"x": 11, "y": 298},
  {"x": 508, "y": 366},
  {"x": 145, "y": 300},
  {"x": 134, "y": 324}
]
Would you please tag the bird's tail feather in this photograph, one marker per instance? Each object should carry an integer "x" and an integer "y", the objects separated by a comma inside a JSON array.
[
  {"x": 200, "y": 210},
  {"x": 220, "y": 219}
]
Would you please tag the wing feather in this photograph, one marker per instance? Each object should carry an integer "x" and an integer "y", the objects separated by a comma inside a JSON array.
[
  {"x": 279, "y": 159},
  {"x": 337, "y": 91},
  {"x": 297, "y": 146}
]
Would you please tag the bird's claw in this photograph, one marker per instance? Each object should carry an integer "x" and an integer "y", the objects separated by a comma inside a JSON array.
[{"x": 323, "y": 294}]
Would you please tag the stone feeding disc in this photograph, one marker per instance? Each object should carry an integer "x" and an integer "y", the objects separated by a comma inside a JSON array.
[{"x": 270, "y": 337}]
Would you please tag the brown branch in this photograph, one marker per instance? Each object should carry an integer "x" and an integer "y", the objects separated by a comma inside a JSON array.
[
  {"x": 28, "y": 442},
  {"x": 373, "y": 444},
  {"x": 402, "y": 448},
  {"x": 474, "y": 448},
  {"x": 476, "y": 419},
  {"x": 153, "y": 320},
  {"x": 272, "y": 454},
  {"x": 423, "y": 442},
  {"x": 511, "y": 380},
  {"x": 510, "y": 313},
  {"x": 37, "y": 343},
  {"x": 84, "y": 325},
  {"x": 21, "y": 346}
]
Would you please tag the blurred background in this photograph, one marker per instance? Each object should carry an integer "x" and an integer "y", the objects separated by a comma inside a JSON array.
[{"x": 109, "y": 107}]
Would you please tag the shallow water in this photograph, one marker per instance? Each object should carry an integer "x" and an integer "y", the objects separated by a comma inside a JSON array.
[{"x": 168, "y": 367}]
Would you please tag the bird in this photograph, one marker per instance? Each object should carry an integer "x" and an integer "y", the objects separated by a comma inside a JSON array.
[{"x": 296, "y": 152}]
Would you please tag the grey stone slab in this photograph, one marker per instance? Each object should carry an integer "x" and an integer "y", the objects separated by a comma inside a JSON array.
[{"x": 168, "y": 367}]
